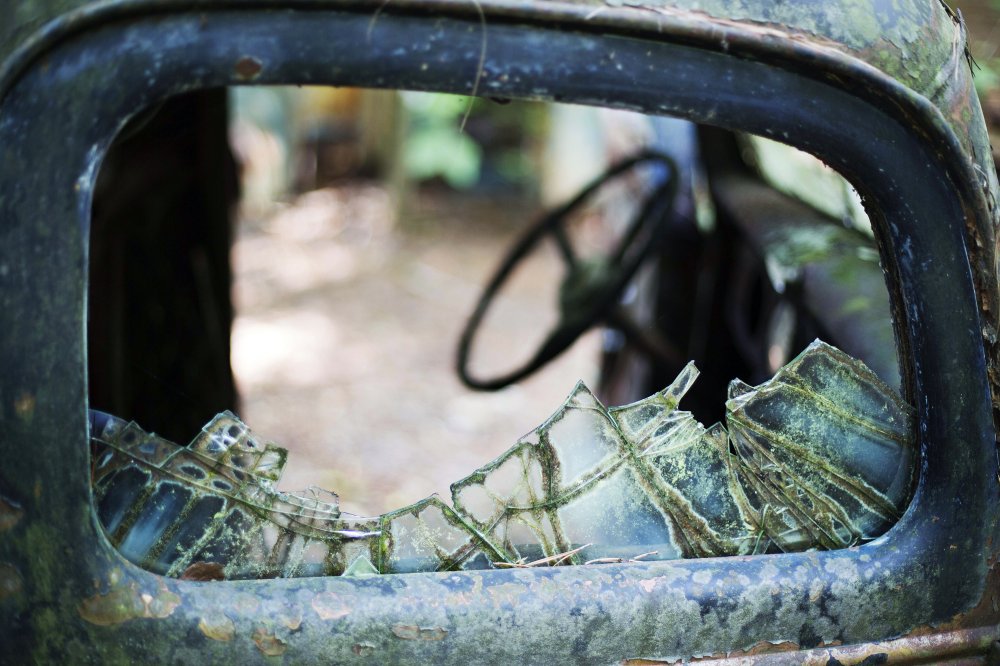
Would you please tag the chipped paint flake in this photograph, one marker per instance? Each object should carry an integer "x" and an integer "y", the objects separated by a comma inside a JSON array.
[
  {"x": 411, "y": 632},
  {"x": 329, "y": 606},
  {"x": 291, "y": 620},
  {"x": 126, "y": 602},
  {"x": 268, "y": 643},
  {"x": 363, "y": 649},
  {"x": 217, "y": 627}
]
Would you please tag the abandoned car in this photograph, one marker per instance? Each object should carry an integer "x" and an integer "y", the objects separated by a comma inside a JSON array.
[{"x": 827, "y": 519}]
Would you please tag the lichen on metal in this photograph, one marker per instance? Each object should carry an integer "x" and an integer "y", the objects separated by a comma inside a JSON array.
[{"x": 820, "y": 456}]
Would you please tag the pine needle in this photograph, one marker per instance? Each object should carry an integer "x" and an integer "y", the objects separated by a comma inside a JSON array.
[{"x": 551, "y": 560}]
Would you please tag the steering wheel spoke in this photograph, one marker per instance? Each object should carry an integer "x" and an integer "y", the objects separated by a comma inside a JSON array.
[{"x": 592, "y": 287}]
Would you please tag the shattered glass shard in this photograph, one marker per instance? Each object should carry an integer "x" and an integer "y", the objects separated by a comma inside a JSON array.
[
  {"x": 167, "y": 507},
  {"x": 824, "y": 450},
  {"x": 820, "y": 456}
]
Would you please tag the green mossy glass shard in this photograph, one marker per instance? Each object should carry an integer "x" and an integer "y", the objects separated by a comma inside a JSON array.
[
  {"x": 428, "y": 536},
  {"x": 360, "y": 567},
  {"x": 826, "y": 456},
  {"x": 214, "y": 501},
  {"x": 820, "y": 456}
]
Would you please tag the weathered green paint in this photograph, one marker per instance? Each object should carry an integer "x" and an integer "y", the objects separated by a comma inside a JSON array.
[{"x": 61, "y": 101}]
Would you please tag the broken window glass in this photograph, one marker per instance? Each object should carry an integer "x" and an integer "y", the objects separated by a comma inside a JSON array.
[{"x": 819, "y": 456}]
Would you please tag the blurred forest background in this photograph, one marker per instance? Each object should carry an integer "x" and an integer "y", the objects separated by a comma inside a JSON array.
[
  {"x": 369, "y": 224},
  {"x": 982, "y": 18}
]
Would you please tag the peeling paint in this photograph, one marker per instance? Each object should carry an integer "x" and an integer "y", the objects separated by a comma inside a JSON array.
[
  {"x": 268, "y": 643},
  {"x": 291, "y": 620},
  {"x": 243, "y": 603},
  {"x": 128, "y": 602},
  {"x": 217, "y": 627},
  {"x": 411, "y": 632},
  {"x": 329, "y": 607}
]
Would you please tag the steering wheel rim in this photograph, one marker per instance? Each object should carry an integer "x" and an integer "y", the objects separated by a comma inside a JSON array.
[{"x": 587, "y": 283}]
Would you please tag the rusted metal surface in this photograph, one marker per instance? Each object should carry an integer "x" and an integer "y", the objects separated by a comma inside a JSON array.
[
  {"x": 964, "y": 646},
  {"x": 912, "y": 152},
  {"x": 969, "y": 638}
]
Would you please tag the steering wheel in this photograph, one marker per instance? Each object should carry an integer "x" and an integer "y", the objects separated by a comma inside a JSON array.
[{"x": 592, "y": 287}]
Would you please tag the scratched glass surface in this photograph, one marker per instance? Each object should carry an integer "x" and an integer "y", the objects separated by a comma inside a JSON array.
[{"x": 819, "y": 456}]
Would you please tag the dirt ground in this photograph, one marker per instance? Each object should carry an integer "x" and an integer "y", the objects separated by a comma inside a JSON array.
[{"x": 344, "y": 343}]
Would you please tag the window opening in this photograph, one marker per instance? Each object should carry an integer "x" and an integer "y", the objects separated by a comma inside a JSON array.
[{"x": 813, "y": 451}]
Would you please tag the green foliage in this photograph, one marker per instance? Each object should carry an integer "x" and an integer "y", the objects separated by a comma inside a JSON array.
[
  {"x": 987, "y": 75},
  {"x": 442, "y": 151},
  {"x": 471, "y": 141},
  {"x": 435, "y": 145}
]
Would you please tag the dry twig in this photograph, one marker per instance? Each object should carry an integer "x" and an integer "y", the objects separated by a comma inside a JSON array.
[
  {"x": 551, "y": 560},
  {"x": 620, "y": 560}
]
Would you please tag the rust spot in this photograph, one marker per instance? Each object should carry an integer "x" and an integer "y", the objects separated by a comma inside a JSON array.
[
  {"x": 985, "y": 613},
  {"x": 268, "y": 643},
  {"x": 329, "y": 607},
  {"x": 203, "y": 571},
  {"x": 124, "y": 603},
  {"x": 10, "y": 513},
  {"x": 248, "y": 68},
  {"x": 736, "y": 658},
  {"x": 10, "y": 580},
  {"x": 24, "y": 406},
  {"x": 412, "y": 632},
  {"x": 218, "y": 628},
  {"x": 363, "y": 649},
  {"x": 767, "y": 647}
]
